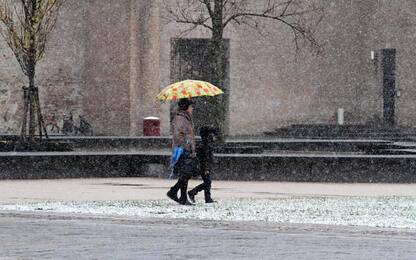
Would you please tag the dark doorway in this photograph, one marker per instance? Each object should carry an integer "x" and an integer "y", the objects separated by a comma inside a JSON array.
[
  {"x": 389, "y": 85},
  {"x": 189, "y": 60}
]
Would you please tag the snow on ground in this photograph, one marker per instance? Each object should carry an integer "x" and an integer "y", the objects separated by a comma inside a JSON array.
[{"x": 385, "y": 212}]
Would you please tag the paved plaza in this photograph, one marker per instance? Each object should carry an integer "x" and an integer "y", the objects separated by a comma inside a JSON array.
[
  {"x": 38, "y": 236},
  {"x": 130, "y": 218},
  {"x": 115, "y": 189}
]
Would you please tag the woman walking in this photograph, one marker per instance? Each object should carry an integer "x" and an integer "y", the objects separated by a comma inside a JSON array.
[{"x": 184, "y": 140}]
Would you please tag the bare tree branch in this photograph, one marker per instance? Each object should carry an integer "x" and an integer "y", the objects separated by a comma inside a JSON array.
[
  {"x": 25, "y": 26},
  {"x": 209, "y": 8},
  {"x": 301, "y": 16},
  {"x": 190, "y": 12}
]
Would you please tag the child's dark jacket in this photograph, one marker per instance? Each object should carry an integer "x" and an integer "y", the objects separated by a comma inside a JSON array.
[{"x": 205, "y": 154}]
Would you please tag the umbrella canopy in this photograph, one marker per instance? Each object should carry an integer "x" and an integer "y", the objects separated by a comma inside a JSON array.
[{"x": 188, "y": 89}]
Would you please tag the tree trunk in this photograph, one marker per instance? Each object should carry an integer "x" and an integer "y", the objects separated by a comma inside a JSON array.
[
  {"x": 217, "y": 61},
  {"x": 32, "y": 107},
  {"x": 41, "y": 123},
  {"x": 32, "y": 117},
  {"x": 31, "y": 58},
  {"x": 25, "y": 112}
]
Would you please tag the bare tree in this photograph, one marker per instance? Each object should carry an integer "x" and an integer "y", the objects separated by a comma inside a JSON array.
[
  {"x": 25, "y": 26},
  {"x": 302, "y": 17}
]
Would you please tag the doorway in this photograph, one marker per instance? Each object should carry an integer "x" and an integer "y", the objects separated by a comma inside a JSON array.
[
  {"x": 190, "y": 60},
  {"x": 388, "y": 63}
]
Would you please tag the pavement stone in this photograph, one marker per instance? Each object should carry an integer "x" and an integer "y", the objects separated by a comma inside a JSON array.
[
  {"x": 46, "y": 235},
  {"x": 115, "y": 189},
  {"x": 68, "y": 237}
]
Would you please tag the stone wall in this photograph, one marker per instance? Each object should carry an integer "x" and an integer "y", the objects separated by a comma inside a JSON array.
[
  {"x": 101, "y": 62},
  {"x": 59, "y": 74},
  {"x": 108, "y": 59},
  {"x": 121, "y": 65},
  {"x": 273, "y": 86},
  {"x": 393, "y": 25}
]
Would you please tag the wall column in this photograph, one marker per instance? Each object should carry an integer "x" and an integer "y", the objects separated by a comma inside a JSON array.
[{"x": 144, "y": 62}]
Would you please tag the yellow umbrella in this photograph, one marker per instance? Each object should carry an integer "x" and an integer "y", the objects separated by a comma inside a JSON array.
[{"x": 187, "y": 89}]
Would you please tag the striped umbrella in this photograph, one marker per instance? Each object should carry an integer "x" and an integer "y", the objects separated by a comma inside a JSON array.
[{"x": 188, "y": 89}]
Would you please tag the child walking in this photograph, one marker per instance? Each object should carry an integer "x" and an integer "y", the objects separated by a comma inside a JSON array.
[{"x": 205, "y": 155}]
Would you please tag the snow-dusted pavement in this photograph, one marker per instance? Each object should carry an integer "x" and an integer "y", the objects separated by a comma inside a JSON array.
[
  {"x": 386, "y": 212},
  {"x": 373, "y": 205},
  {"x": 55, "y": 236},
  {"x": 55, "y": 218},
  {"x": 117, "y": 189}
]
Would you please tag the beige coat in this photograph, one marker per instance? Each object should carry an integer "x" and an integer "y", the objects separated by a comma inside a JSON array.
[{"x": 183, "y": 131}]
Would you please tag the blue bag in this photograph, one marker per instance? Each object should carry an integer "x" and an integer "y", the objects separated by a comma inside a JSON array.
[{"x": 176, "y": 154}]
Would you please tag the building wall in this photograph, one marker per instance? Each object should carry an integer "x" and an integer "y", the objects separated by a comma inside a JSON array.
[
  {"x": 394, "y": 26},
  {"x": 101, "y": 62},
  {"x": 11, "y": 80},
  {"x": 106, "y": 71},
  {"x": 108, "y": 59},
  {"x": 59, "y": 74},
  {"x": 122, "y": 65},
  {"x": 273, "y": 86}
]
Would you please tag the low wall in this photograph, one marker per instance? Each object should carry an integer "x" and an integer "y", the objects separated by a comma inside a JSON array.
[
  {"x": 102, "y": 143},
  {"x": 43, "y": 165},
  {"x": 267, "y": 167},
  {"x": 318, "y": 168}
]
